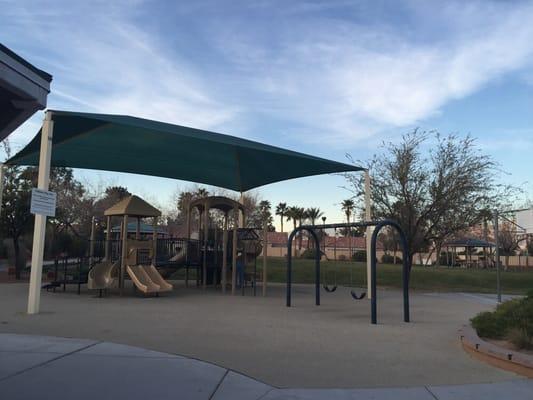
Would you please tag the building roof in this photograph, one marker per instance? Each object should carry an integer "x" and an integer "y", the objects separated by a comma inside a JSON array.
[
  {"x": 23, "y": 90},
  {"x": 133, "y": 206},
  {"x": 126, "y": 144}
]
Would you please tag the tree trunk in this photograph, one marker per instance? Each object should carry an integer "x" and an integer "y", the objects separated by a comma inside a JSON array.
[
  {"x": 438, "y": 249},
  {"x": 282, "y": 223}
]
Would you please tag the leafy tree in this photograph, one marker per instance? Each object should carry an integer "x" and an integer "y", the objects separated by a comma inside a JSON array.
[
  {"x": 281, "y": 210},
  {"x": 432, "y": 193},
  {"x": 15, "y": 218},
  {"x": 508, "y": 242},
  {"x": 112, "y": 195}
]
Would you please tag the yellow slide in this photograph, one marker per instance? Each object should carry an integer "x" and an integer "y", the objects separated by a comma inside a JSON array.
[
  {"x": 156, "y": 277},
  {"x": 141, "y": 279},
  {"x": 103, "y": 275}
]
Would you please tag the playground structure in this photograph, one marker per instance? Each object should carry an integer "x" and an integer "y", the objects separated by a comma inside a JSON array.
[
  {"x": 377, "y": 225},
  {"x": 137, "y": 256},
  {"x": 212, "y": 252},
  {"x": 79, "y": 140}
]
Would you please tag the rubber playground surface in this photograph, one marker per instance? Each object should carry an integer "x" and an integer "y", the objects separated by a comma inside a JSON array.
[{"x": 330, "y": 346}]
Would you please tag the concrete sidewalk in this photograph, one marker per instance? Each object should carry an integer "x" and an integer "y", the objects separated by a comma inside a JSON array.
[{"x": 36, "y": 367}]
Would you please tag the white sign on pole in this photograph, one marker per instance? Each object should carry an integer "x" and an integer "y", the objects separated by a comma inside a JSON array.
[
  {"x": 524, "y": 218},
  {"x": 43, "y": 202}
]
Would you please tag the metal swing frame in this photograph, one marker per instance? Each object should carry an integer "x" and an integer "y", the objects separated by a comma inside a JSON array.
[{"x": 406, "y": 266}]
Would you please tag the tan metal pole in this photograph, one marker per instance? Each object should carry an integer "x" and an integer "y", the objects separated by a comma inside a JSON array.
[
  {"x": 234, "y": 252},
  {"x": 39, "y": 231},
  {"x": 206, "y": 237},
  {"x": 154, "y": 241},
  {"x": 124, "y": 253},
  {"x": 265, "y": 246},
  {"x": 225, "y": 253},
  {"x": 369, "y": 231},
  {"x": 91, "y": 247},
  {"x": 108, "y": 239}
]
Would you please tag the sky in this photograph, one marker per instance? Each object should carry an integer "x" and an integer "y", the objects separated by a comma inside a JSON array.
[{"x": 321, "y": 77}]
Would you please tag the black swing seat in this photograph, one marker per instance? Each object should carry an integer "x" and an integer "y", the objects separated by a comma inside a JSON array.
[
  {"x": 356, "y": 297},
  {"x": 330, "y": 289}
]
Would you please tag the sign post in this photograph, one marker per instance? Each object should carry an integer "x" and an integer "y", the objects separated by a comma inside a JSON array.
[{"x": 39, "y": 230}]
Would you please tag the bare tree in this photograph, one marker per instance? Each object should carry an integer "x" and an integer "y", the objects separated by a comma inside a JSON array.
[{"x": 433, "y": 185}]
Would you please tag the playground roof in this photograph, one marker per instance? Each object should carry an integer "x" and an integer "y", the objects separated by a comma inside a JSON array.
[
  {"x": 133, "y": 206},
  {"x": 128, "y": 144}
]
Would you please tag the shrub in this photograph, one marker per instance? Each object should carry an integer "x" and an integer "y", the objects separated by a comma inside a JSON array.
[
  {"x": 389, "y": 259},
  {"x": 359, "y": 255},
  {"x": 512, "y": 320},
  {"x": 488, "y": 325},
  {"x": 342, "y": 257},
  {"x": 520, "y": 338},
  {"x": 309, "y": 254}
]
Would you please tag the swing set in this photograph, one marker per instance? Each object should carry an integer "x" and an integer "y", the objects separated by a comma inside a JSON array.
[
  {"x": 378, "y": 225},
  {"x": 331, "y": 289}
]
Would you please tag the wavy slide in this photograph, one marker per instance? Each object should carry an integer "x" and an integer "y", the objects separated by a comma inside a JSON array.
[
  {"x": 147, "y": 279},
  {"x": 103, "y": 275}
]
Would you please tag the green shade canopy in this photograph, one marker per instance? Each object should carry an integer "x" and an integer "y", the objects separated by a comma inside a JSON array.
[{"x": 128, "y": 144}]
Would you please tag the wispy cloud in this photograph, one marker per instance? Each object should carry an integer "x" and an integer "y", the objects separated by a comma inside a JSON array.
[{"x": 317, "y": 71}]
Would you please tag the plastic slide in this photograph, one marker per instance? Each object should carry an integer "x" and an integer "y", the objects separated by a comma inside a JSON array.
[
  {"x": 103, "y": 275},
  {"x": 180, "y": 256},
  {"x": 141, "y": 279},
  {"x": 156, "y": 277}
]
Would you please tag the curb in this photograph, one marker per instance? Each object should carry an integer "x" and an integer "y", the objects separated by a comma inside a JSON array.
[{"x": 500, "y": 357}]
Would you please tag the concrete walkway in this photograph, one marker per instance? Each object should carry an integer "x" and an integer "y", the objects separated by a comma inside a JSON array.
[
  {"x": 37, "y": 367},
  {"x": 305, "y": 346}
]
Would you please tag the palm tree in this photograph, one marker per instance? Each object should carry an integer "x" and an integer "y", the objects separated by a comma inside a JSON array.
[
  {"x": 348, "y": 206},
  {"x": 281, "y": 210},
  {"x": 300, "y": 215},
  {"x": 292, "y": 214},
  {"x": 314, "y": 213},
  {"x": 201, "y": 193}
]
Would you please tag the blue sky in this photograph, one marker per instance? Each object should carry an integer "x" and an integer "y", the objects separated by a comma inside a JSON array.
[{"x": 322, "y": 77}]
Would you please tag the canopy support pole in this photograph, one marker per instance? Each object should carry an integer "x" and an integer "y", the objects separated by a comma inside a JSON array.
[
  {"x": 124, "y": 254},
  {"x": 108, "y": 239},
  {"x": 39, "y": 231},
  {"x": 2, "y": 173},
  {"x": 206, "y": 237},
  {"x": 265, "y": 243},
  {"x": 154, "y": 242},
  {"x": 234, "y": 251},
  {"x": 369, "y": 231},
  {"x": 91, "y": 248},
  {"x": 225, "y": 253}
]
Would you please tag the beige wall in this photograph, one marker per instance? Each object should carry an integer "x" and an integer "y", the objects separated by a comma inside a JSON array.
[{"x": 418, "y": 259}]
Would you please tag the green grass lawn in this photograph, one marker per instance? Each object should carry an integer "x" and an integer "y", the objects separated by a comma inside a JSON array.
[{"x": 388, "y": 275}]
